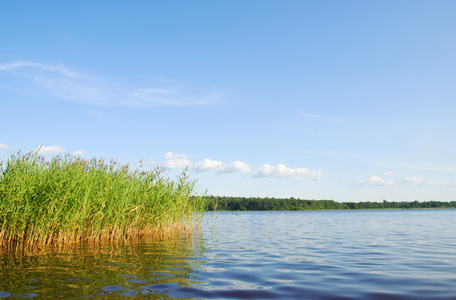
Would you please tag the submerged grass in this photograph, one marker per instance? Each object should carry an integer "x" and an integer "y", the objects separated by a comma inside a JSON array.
[{"x": 68, "y": 200}]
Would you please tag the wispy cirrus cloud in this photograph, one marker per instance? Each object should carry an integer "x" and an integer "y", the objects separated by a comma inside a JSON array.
[
  {"x": 54, "y": 80},
  {"x": 60, "y": 82},
  {"x": 178, "y": 161},
  {"x": 162, "y": 96},
  {"x": 23, "y": 67}
]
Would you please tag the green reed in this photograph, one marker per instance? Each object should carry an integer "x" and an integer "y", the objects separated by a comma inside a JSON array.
[{"x": 66, "y": 200}]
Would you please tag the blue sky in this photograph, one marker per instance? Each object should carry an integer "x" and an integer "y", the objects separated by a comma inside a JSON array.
[{"x": 343, "y": 100}]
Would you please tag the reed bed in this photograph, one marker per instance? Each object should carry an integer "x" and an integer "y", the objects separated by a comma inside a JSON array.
[{"x": 68, "y": 200}]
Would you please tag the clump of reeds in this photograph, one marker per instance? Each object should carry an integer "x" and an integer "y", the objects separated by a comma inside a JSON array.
[{"x": 66, "y": 200}]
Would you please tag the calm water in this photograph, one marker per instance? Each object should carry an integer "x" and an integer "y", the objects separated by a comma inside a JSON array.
[{"x": 387, "y": 254}]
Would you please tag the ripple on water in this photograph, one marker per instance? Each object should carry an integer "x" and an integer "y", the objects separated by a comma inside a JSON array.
[{"x": 300, "y": 255}]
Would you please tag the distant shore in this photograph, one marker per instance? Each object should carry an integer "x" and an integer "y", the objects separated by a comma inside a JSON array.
[{"x": 265, "y": 204}]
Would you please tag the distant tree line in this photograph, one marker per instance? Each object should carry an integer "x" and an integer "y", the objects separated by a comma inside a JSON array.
[{"x": 251, "y": 204}]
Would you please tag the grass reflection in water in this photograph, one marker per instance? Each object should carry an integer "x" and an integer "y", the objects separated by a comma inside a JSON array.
[{"x": 150, "y": 269}]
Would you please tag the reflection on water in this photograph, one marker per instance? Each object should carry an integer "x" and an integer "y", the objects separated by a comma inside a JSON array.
[
  {"x": 152, "y": 269},
  {"x": 259, "y": 255}
]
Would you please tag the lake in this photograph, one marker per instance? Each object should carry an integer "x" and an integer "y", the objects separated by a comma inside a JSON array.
[{"x": 358, "y": 254}]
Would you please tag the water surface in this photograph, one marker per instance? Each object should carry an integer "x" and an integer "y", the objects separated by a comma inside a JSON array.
[{"x": 359, "y": 254}]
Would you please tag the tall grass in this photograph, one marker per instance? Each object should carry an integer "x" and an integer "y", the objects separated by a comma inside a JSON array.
[{"x": 67, "y": 200}]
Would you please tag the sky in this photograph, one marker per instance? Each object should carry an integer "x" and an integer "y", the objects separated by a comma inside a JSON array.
[{"x": 343, "y": 100}]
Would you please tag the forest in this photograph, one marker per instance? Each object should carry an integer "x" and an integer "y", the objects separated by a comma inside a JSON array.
[{"x": 251, "y": 204}]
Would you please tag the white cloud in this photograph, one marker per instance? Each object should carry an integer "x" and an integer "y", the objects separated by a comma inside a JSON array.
[
  {"x": 420, "y": 181},
  {"x": 220, "y": 167},
  {"x": 377, "y": 181},
  {"x": 58, "y": 81},
  {"x": 179, "y": 161},
  {"x": 283, "y": 171},
  {"x": 4, "y": 146},
  {"x": 49, "y": 150},
  {"x": 209, "y": 165},
  {"x": 414, "y": 180},
  {"x": 55, "y": 150},
  {"x": 78, "y": 152},
  {"x": 407, "y": 181},
  {"x": 414, "y": 167},
  {"x": 237, "y": 166},
  {"x": 176, "y": 161},
  {"x": 269, "y": 170}
]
